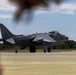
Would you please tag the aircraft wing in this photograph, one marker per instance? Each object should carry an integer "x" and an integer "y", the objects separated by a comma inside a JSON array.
[{"x": 43, "y": 37}]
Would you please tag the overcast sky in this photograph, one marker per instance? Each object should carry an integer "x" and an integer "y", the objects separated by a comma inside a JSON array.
[{"x": 61, "y": 18}]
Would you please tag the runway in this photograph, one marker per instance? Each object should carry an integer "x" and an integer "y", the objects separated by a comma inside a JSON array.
[{"x": 54, "y": 63}]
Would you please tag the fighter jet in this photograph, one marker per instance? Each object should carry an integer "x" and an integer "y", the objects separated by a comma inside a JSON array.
[{"x": 24, "y": 41}]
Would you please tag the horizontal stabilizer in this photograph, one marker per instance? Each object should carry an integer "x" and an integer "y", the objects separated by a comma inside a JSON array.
[{"x": 11, "y": 40}]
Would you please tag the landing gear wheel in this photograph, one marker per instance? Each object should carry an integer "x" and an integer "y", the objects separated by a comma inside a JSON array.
[
  {"x": 32, "y": 49},
  {"x": 44, "y": 50},
  {"x": 16, "y": 51},
  {"x": 49, "y": 50}
]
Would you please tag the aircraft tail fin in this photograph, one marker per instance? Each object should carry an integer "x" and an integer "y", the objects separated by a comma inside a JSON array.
[{"x": 5, "y": 32}]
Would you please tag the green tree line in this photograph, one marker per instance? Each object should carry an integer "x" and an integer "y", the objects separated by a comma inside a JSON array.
[{"x": 70, "y": 44}]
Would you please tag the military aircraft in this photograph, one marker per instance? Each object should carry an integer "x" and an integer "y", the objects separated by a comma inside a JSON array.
[{"x": 24, "y": 41}]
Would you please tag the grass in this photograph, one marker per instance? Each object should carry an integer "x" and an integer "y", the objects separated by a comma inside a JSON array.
[
  {"x": 37, "y": 50},
  {"x": 54, "y": 63}
]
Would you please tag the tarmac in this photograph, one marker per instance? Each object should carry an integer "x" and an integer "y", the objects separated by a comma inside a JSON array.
[{"x": 54, "y": 63}]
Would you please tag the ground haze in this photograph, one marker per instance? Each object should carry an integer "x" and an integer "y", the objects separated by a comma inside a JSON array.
[{"x": 54, "y": 63}]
